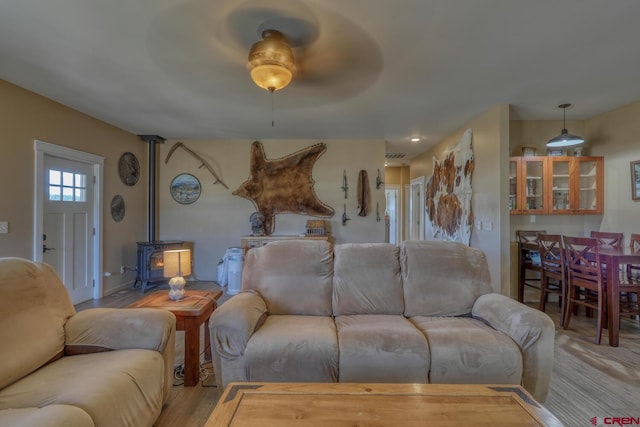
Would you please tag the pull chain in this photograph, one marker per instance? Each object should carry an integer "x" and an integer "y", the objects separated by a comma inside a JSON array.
[{"x": 271, "y": 90}]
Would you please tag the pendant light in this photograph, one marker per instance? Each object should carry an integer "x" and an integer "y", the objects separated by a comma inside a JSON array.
[{"x": 565, "y": 139}]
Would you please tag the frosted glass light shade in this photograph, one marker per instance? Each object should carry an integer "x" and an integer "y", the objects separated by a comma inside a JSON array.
[{"x": 271, "y": 77}]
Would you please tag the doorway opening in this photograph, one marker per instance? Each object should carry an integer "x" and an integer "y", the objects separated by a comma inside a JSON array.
[
  {"x": 394, "y": 213},
  {"x": 417, "y": 209}
]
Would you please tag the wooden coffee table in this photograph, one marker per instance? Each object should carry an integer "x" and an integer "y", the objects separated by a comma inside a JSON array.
[
  {"x": 191, "y": 311},
  {"x": 350, "y": 404}
]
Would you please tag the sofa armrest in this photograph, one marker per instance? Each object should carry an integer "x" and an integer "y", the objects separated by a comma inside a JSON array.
[
  {"x": 103, "y": 329},
  {"x": 233, "y": 323},
  {"x": 100, "y": 329},
  {"x": 532, "y": 330}
]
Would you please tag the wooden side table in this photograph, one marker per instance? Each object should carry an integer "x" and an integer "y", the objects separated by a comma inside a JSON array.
[{"x": 191, "y": 311}]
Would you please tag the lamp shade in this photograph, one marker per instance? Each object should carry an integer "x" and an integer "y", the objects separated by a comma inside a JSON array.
[
  {"x": 177, "y": 263},
  {"x": 270, "y": 77},
  {"x": 271, "y": 61},
  {"x": 565, "y": 139}
]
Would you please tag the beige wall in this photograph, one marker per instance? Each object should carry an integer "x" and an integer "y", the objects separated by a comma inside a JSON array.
[
  {"x": 489, "y": 182},
  {"x": 218, "y": 219},
  {"x": 25, "y": 117}
]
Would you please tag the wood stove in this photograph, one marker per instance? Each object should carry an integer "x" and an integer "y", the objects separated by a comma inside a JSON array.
[{"x": 150, "y": 265}]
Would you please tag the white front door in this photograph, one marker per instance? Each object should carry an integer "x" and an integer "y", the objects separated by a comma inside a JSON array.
[{"x": 68, "y": 224}]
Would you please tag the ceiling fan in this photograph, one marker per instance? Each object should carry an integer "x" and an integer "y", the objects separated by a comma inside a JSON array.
[
  {"x": 327, "y": 54},
  {"x": 334, "y": 58}
]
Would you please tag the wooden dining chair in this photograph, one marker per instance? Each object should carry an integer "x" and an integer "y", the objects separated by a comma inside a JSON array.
[
  {"x": 633, "y": 270},
  {"x": 630, "y": 285},
  {"x": 585, "y": 281},
  {"x": 528, "y": 256},
  {"x": 608, "y": 238},
  {"x": 553, "y": 277}
]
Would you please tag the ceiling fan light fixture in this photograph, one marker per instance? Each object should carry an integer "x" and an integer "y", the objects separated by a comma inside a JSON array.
[
  {"x": 271, "y": 61},
  {"x": 565, "y": 139}
]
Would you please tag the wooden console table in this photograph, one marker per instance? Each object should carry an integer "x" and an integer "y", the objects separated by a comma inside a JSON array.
[
  {"x": 248, "y": 242},
  {"x": 351, "y": 404}
]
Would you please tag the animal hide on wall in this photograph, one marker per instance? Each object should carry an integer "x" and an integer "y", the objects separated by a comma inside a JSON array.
[
  {"x": 283, "y": 185},
  {"x": 449, "y": 194}
]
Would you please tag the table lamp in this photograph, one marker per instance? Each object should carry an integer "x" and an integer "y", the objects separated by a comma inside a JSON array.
[{"x": 177, "y": 263}]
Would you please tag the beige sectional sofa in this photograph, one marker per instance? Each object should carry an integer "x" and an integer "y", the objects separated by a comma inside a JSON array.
[
  {"x": 423, "y": 312},
  {"x": 98, "y": 367}
]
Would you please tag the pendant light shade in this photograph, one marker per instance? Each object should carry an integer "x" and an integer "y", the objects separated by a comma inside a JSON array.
[
  {"x": 271, "y": 61},
  {"x": 565, "y": 139}
]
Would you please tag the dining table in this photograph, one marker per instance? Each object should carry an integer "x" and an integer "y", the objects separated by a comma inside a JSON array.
[{"x": 613, "y": 257}]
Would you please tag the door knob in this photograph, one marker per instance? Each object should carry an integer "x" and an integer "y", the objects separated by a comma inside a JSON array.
[{"x": 45, "y": 249}]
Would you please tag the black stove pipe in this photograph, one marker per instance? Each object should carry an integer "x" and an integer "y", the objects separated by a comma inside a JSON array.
[{"x": 153, "y": 140}]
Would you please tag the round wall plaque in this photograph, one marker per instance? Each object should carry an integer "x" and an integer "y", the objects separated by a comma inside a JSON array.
[
  {"x": 117, "y": 208},
  {"x": 185, "y": 188},
  {"x": 129, "y": 168}
]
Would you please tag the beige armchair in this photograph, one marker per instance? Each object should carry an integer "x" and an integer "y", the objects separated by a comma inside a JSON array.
[{"x": 97, "y": 367}]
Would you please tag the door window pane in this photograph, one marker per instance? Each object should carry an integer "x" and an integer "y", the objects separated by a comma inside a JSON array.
[
  {"x": 54, "y": 192},
  {"x": 54, "y": 177},
  {"x": 67, "y": 179},
  {"x": 67, "y": 186}
]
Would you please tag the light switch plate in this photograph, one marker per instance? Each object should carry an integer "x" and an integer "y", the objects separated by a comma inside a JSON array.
[{"x": 4, "y": 227}]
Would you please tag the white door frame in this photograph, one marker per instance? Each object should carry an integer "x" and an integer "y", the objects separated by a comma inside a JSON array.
[
  {"x": 417, "y": 205},
  {"x": 45, "y": 148}
]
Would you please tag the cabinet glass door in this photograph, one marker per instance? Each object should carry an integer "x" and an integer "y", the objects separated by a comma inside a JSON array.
[
  {"x": 588, "y": 183},
  {"x": 560, "y": 185},
  {"x": 533, "y": 185},
  {"x": 513, "y": 185}
]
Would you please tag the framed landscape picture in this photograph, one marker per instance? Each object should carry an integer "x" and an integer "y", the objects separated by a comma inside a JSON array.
[
  {"x": 185, "y": 188},
  {"x": 635, "y": 180}
]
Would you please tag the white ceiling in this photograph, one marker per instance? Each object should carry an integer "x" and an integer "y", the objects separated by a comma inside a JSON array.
[{"x": 370, "y": 69}]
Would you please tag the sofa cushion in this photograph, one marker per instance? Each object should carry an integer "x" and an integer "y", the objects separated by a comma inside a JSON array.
[
  {"x": 116, "y": 388},
  {"x": 293, "y": 348},
  {"x": 50, "y": 416},
  {"x": 366, "y": 279},
  {"x": 442, "y": 278},
  {"x": 467, "y": 351},
  {"x": 293, "y": 276},
  {"x": 381, "y": 349},
  {"x": 34, "y": 306}
]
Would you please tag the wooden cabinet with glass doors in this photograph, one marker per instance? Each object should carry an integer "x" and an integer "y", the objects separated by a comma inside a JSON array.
[
  {"x": 527, "y": 183},
  {"x": 577, "y": 185},
  {"x": 556, "y": 185}
]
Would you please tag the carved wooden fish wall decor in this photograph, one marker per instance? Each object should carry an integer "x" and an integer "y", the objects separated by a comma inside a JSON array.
[{"x": 364, "y": 193}]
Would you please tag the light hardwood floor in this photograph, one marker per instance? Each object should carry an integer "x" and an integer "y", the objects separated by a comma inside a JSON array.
[{"x": 588, "y": 380}]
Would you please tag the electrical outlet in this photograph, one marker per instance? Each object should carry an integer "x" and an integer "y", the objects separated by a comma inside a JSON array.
[
  {"x": 4, "y": 227},
  {"x": 122, "y": 269}
]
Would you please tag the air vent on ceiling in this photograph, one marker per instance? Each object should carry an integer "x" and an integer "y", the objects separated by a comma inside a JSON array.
[{"x": 395, "y": 156}]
